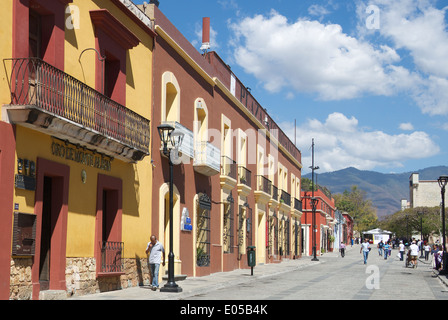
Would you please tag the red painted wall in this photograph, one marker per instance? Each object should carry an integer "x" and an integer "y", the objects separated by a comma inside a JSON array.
[{"x": 7, "y": 161}]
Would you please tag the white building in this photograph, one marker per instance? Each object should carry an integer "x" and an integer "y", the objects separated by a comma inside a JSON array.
[{"x": 423, "y": 193}]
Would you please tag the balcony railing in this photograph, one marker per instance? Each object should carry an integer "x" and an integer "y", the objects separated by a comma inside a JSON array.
[
  {"x": 207, "y": 158},
  {"x": 285, "y": 197},
  {"x": 40, "y": 85},
  {"x": 245, "y": 176},
  {"x": 264, "y": 184},
  {"x": 228, "y": 167},
  {"x": 274, "y": 194},
  {"x": 111, "y": 257},
  {"x": 297, "y": 204}
]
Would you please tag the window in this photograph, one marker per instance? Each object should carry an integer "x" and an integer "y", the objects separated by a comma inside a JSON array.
[
  {"x": 228, "y": 225},
  {"x": 113, "y": 41},
  {"x": 35, "y": 36},
  {"x": 170, "y": 98},
  {"x": 203, "y": 207}
]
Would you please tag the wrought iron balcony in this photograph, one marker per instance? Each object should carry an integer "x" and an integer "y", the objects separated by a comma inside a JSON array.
[
  {"x": 285, "y": 197},
  {"x": 245, "y": 176},
  {"x": 297, "y": 204},
  {"x": 228, "y": 167},
  {"x": 47, "y": 99},
  {"x": 264, "y": 184},
  {"x": 207, "y": 158},
  {"x": 274, "y": 194}
]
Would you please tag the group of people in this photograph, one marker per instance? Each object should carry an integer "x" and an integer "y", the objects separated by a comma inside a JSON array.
[{"x": 415, "y": 248}]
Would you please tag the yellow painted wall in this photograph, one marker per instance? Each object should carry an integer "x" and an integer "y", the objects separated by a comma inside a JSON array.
[{"x": 136, "y": 178}]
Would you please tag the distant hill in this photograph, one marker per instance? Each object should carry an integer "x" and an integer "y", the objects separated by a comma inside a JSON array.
[{"x": 385, "y": 190}]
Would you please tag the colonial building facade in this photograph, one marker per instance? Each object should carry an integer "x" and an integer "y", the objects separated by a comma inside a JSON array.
[
  {"x": 239, "y": 178},
  {"x": 84, "y": 183},
  {"x": 74, "y": 147}
]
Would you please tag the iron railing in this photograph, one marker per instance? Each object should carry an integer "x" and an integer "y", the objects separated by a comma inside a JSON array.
[
  {"x": 286, "y": 197},
  {"x": 111, "y": 257},
  {"x": 244, "y": 175},
  {"x": 297, "y": 204},
  {"x": 264, "y": 184},
  {"x": 37, "y": 83},
  {"x": 228, "y": 167},
  {"x": 274, "y": 193}
]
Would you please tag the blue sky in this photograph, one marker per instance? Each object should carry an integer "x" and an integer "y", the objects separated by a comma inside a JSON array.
[{"x": 367, "y": 79}]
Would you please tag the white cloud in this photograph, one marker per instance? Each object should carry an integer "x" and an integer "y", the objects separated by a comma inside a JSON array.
[
  {"x": 311, "y": 57},
  {"x": 306, "y": 56},
  {"x": 420, "y": 29},
  {"x": 406, "y": 126},
  {"x": 340, "y": 142}
]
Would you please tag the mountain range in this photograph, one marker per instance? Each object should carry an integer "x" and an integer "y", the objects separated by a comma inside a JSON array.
[{"x": 384, "y": 190}]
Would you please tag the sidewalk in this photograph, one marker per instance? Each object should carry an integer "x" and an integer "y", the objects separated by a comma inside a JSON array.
[{"x": 192, "y": 286}]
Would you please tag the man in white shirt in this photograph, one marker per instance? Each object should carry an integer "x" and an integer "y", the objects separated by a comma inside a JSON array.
[
  {"x": 365, "y": 248},
  {"x": 156, "y": 253},
  {"x": 414, "y": 253}
]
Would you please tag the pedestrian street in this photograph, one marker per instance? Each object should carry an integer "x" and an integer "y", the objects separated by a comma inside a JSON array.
[{"x": 337, "y": 278}]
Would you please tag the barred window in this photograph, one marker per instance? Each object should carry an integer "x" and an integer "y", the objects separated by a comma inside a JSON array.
[
  {"x": 203, "y": 231},
  {"x": 228, "y": 225}
]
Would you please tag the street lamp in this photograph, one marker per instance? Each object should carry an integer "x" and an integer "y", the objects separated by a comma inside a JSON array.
[
  {"x": 443, "y": 180},
  {"x": 167, "y": 135},
  {"x": 420, "y": 214},
  {"x": 314, "y": 202}
]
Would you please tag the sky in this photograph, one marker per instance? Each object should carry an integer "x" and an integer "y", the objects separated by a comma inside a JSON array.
[{"x": 366, "y": 79}]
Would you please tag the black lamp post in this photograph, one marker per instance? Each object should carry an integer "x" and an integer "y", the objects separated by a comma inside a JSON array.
[
  {"x": 314, "y": 202},
  {"x": 169, "y": 135},
  {"x": 420, "y": 214},
  {"x": 443, "y": 180}
]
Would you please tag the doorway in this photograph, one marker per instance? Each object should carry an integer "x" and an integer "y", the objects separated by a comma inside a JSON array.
[
  {"x": 46, "y": 231},
  {"x": 51, "y": 209}
]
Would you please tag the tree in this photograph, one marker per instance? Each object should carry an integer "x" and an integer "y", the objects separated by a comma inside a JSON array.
[
  {"x": 408, "y": 222},
  {"x": 361, "y": 209}
]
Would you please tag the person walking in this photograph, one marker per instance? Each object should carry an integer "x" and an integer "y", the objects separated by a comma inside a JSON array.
[
  {"x": 380, "y": 248},
  {"x": 156, "y": 253},
  {"x": 386, "y": 248},
  {"x": 342, "y": 249},
  {"x": 401, "y": 247},
  {"x": 427, "y": 249},
  {"x": 414, "y": 253},
  {"x": 365, "y": 248}
]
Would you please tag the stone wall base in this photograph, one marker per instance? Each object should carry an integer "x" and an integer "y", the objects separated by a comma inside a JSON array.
[{"x": 80, "y": 276}]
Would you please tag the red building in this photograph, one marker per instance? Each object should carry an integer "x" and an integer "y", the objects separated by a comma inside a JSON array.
[
  {"x": 238, "y": 181},
  {"x": 324, "y": 224},
  {"x": 349, "y": 226}
]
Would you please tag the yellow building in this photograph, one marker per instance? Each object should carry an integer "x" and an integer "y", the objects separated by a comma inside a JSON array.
[{"x": 76, "y": 97}]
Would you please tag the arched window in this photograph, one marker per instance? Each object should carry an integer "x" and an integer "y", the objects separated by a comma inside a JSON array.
[{"x": 170, "y": 98}]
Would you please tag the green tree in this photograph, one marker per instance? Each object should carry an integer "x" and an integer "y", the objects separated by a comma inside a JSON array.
[
  {"x": 359, "y": 207},
  {"x": 420, "y": 220}
]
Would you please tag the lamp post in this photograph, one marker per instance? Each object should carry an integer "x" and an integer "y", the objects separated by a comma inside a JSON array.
[
  {"x": 420, "y": 214},
  {"x": 314, "y": 202},
  {"x": 443, "y": 180},
  {"x": 167, "y": 135}
]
